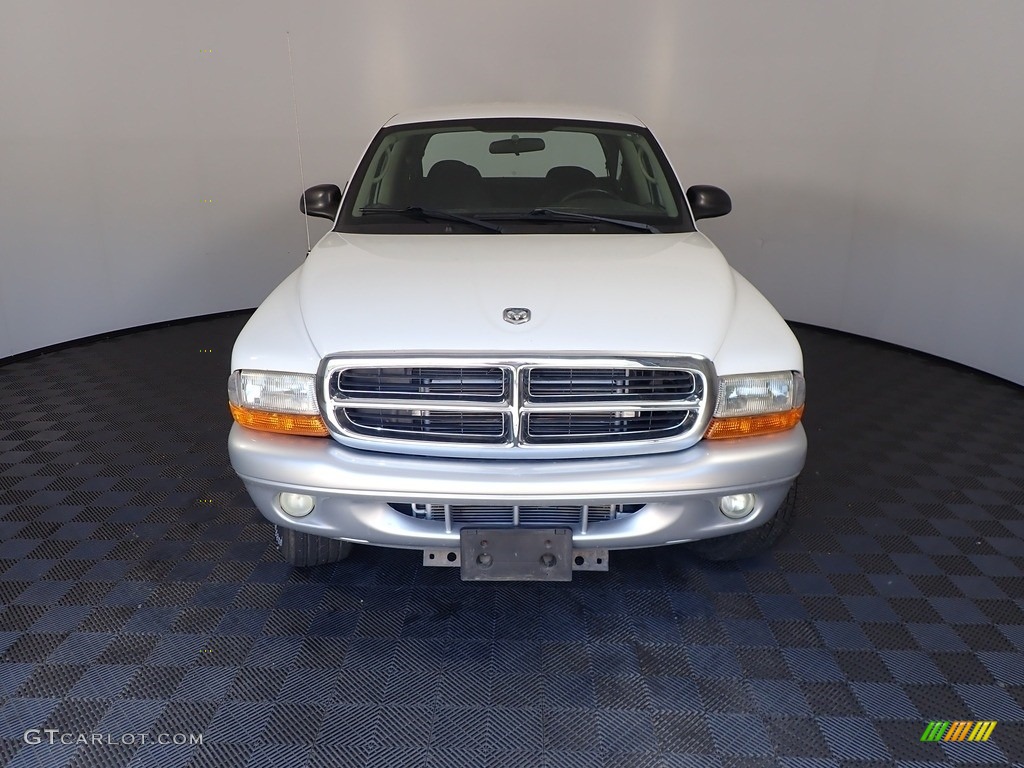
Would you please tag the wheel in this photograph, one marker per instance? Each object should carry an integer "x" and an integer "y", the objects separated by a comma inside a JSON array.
[
  {"x": 591, "y": 192},
  {"x": 303, "y": 549},
  {"x": 736, "y": 546}
]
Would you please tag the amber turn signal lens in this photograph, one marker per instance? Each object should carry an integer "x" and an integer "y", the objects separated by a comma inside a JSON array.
[
  {"x": 749, "y": 426},
  {"x": 285, "y": 423}
]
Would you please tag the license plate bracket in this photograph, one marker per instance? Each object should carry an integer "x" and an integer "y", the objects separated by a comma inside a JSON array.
[{"x": 516, "y": 554}]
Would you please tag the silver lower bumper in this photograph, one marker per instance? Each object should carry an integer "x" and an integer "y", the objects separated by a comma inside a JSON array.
[{"x": 354, "y": 489}]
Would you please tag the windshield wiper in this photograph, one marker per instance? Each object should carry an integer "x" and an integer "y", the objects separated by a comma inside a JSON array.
[
  {"x": 418, "y": 212},
  {"x": 553, "y": 214}
]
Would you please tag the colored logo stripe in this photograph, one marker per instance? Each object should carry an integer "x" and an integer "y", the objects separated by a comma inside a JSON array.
[
  {"x": 959, "y": 730},
  {"x": 982, "y": 730}
]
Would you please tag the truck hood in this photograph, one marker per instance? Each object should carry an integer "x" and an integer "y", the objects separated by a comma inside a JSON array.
[{"x": 653, "y": 293}]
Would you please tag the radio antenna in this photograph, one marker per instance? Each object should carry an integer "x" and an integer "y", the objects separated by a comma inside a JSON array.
[{"x": 298, "y": 139}]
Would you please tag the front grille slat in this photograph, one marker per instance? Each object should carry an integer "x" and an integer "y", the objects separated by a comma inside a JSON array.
[
  {"x": 422, "y": 383},
  {"x": 585, "y": 384},
  {"x": 568, "y": 401},
  {"x": 426, "y": 425},
  {"x": 631, "y": 425}
]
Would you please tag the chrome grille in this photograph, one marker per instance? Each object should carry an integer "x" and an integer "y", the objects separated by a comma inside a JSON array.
[
  {"x": 456, "y": 516},
  {"x": 489, "y": 385},
  {"x": 571, "y": 427},
  {"x": 563, "y": 406},
  {"x": 596, "y": 384},
  {"x": 427, "y": 425}
]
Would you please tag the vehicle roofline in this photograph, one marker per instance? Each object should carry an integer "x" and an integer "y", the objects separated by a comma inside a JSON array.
[{"x": 513, "y": 110}]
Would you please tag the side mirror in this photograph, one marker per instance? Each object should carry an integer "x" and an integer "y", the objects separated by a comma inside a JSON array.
[
  {"x": 322, "y": 200},
  {"x": 707, "y": 202}
]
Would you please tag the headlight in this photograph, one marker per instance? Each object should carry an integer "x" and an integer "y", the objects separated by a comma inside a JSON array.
[
  {"x": 756, "y": 393},
  {"x": 276, "y": 402},
  {"x": 757, "y": 404}
]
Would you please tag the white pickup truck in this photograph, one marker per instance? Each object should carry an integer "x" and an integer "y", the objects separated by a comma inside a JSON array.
[{"x": 515, "y": 352}]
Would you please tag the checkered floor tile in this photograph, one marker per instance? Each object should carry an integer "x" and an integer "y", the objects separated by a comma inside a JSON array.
[{"x": 143, "y": 604}]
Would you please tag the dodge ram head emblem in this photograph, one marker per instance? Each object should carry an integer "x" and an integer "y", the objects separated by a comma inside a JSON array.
[{"x": 516, "y": 315}]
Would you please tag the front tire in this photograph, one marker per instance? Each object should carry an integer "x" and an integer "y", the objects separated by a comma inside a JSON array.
[
  {"x": 304, "y": 549},
  {"x": 737, "y": 546}
]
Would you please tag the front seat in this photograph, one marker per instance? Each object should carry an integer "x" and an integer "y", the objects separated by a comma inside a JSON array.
[
  {"x": 453, "y": 184},
  {"x": 563, "y": 180}
]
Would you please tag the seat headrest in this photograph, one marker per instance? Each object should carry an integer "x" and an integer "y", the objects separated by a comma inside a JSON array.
[
  {"x": 452, "y": 171},
  {"x": 453, "y": 184},
  {"x": 571, "y": 176}
]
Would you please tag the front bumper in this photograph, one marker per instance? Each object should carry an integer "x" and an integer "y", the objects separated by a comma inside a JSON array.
[{"x": 354, "y": 489}]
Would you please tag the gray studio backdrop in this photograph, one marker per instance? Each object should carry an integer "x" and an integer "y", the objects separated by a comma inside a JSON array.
[{"x": 148, "y": 166}]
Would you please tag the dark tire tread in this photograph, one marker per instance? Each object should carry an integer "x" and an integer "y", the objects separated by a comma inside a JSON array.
[
  {"x": 737, "y": 546},
  {"x": 303, "y": 549}
]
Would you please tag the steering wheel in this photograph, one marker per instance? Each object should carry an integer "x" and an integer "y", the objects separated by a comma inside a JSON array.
[{"x": 589, "y": 192}]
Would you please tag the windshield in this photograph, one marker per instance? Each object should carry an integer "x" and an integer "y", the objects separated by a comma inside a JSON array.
[{"x": 522, "y": 175}]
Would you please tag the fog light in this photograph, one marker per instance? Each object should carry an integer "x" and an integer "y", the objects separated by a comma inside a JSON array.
[
  {"x": 737, "y": 505},
  {"x": 296, "y": 504}
]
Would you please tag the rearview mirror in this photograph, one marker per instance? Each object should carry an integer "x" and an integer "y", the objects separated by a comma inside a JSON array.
[
  {"x": 707, "y": 202},
  {"x": 322, "y": 200},
  {"x": 515, "y": 145}
]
